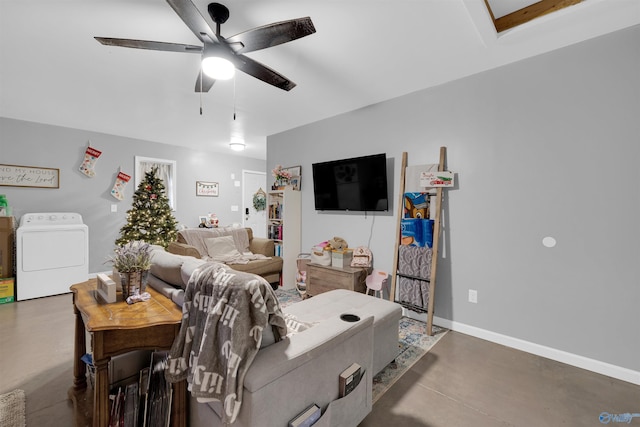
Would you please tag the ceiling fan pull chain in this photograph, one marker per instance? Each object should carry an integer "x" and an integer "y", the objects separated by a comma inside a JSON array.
[
  {"x": 201, "y": 92},
  {"x": 234, "y": 98}
]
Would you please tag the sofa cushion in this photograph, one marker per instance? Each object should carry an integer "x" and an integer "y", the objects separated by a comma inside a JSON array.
[
  {"x": 166, "y": 266},
  {"x": 260, "y": 267}
]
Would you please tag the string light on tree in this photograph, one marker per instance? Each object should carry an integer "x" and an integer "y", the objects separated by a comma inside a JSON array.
[{"x": 149, "y": 218}]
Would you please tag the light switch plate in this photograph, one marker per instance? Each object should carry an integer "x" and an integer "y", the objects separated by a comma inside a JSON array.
[{"x": 473, "y": 296}]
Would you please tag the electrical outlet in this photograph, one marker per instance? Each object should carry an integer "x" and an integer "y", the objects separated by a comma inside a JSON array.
[
  {"x": 473, "y": 296},
  {"x": 114, "y": 208}
]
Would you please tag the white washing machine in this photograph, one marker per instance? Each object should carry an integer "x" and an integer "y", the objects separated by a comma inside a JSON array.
[{"x": 52, "y": 253}]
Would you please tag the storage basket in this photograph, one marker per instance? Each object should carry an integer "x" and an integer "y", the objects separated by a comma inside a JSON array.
[{"x": 320, "y": 256}]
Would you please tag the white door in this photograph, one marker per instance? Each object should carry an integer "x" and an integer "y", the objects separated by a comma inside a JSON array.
[{"x": 252, "y": 181}]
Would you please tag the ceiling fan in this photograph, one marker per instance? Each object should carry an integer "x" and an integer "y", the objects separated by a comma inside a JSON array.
[{"x": 231, "y": 48}]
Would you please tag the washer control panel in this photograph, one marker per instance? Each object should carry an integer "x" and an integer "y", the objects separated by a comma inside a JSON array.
[{"x": 50, "y": 218}]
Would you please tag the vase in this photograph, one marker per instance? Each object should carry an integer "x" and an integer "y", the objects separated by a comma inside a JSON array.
[
  {"x": 133, "y": 282},
  {"x": 281, "y": 183}
]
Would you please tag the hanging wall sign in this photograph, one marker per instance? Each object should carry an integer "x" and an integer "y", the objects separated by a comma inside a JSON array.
[
  {"x": 209, "y": 189},
  {"x": 28, "y": 176},
  {"x": 436, "y": 179}
]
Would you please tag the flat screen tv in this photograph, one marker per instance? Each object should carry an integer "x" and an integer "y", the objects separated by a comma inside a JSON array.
[{"x": 356, "y": 184}]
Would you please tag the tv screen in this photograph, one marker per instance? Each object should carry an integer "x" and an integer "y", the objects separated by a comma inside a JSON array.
[{"x": 357, "y": 184}]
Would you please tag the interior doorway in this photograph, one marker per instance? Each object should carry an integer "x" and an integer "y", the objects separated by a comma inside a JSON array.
[{"x": 252, "y": 183}]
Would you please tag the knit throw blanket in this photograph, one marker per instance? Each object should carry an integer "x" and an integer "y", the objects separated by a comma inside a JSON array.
[{"x": 224, "y": 314}]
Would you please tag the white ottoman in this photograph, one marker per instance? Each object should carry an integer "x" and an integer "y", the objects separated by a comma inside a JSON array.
[{"x": 386, "y": 319}]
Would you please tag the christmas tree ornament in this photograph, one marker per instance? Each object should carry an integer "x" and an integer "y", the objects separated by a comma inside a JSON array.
[
  {"x": 90, "y": 157},
  {"x": 118, "y": 187}
]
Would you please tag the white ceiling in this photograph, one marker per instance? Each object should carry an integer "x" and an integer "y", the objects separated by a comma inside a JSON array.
[{"x": 364, "y": 51}]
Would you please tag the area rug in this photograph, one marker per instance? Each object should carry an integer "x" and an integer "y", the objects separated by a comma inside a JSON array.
[
  {"x": 12, "y": 409},
  {"x": 412, "y": 345}
]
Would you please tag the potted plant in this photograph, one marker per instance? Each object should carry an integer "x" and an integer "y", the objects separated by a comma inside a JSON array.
[{"x": 132, "y": 261}]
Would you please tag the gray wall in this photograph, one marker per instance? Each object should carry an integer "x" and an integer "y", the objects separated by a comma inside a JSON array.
[
  {"x": 31, "y": 144},
  {"x": 548, "y": 146}
]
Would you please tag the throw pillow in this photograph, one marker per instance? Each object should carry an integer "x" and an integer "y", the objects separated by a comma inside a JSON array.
[{"x": 221, "y": 249}]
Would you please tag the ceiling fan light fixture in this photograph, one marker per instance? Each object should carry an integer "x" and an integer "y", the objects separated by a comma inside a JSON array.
[
  {"x": 218, "y": 68},
  {"x": 237, "y": 144}
]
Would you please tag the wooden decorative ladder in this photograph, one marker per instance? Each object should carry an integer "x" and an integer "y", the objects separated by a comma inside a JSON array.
[{"x": 436, "y": 199}]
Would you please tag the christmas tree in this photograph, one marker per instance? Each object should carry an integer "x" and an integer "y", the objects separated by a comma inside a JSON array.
[{"x": 150, "y": 218}]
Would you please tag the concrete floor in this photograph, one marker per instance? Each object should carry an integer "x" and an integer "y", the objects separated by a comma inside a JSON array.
[
  {"x": 466, "y": 381},
  {"x": 462, "y": 381}
]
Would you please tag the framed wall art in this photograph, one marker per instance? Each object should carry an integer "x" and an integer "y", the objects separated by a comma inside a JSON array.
[
  {"x": 29, "y": 176},
  {"x": 296, "y": 176},
  {"x": 207, "y": 189}
]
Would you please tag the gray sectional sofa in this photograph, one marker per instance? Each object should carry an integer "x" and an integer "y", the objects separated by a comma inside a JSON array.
[{"x": 289, "y": 375}]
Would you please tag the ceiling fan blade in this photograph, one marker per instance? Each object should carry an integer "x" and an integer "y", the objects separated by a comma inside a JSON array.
[
  {"x": 151, "y": 45},
  {"x": 262, "y": 72},
  {"x": 204, "y": 82},
  {"x": 192, "y": 17},
  {"x": 271, "y": 35}
]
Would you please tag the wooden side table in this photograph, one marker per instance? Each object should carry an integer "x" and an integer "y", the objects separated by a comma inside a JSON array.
[
  {"x": 115, "y": 329},
  {"x": 321, "y": 278}
]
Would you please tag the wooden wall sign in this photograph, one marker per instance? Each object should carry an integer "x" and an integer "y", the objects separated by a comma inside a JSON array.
[
  {"x": 28, "y": 176},
  {"x": 208, "y": 189}
]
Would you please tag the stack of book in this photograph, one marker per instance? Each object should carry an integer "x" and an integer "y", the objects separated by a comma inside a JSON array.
[
  {"x": 275, "y": 231},
  {"x": 158, "y": 393}
]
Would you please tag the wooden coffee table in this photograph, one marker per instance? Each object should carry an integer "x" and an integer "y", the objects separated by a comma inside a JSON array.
[{"x": 115, "y": 329}]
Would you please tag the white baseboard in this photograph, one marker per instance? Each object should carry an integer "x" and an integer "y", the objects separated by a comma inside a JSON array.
[{"x": 592, "y": 365}]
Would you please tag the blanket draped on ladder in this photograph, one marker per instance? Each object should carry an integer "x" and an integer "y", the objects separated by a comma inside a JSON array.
[
  {"x": 414, "y": 261},
  {"x": 224, "y": 314}
]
